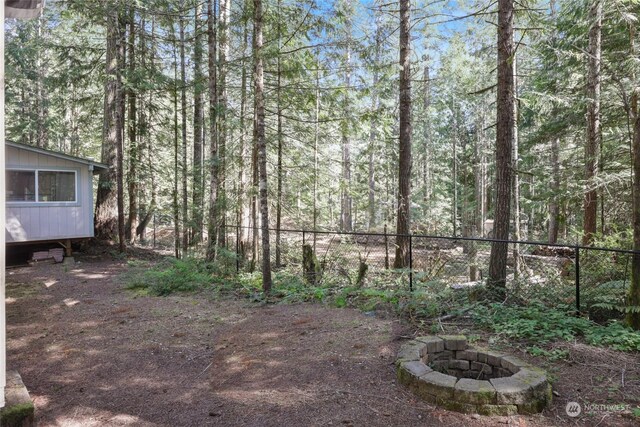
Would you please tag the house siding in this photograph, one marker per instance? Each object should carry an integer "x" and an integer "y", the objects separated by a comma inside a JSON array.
[{"x": 49, "y": 221}]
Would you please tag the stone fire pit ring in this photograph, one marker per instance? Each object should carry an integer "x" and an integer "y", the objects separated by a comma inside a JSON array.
[{"x": 445, "y": 371}]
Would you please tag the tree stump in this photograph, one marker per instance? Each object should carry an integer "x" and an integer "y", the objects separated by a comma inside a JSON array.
[{"x": 311, "y": 266}]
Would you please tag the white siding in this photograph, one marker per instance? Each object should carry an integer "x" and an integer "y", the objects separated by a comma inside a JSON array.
[{"x": 42, "y": 221}]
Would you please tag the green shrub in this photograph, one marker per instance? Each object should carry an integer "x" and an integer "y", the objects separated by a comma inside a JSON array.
[
  {"x": 615, "y": 335},
  {"x": 539, "y": 325},
  {"x": 172, "y": 276}
]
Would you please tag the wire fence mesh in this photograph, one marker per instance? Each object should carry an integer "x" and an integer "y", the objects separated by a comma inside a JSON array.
[{"x": 593, "y": 280}]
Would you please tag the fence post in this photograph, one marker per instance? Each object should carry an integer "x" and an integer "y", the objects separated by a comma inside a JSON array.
[
  {"x": 386, "y": 248},
  {"x": 410, "y": 262},
  {"x": 577, "y": 249},
  {"x": 237, "y": 249}
]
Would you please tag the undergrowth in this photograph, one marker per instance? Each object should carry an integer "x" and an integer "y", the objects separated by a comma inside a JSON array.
[
  {"x": 535, "y": 324},
  {"x": 540, "y": 325}
]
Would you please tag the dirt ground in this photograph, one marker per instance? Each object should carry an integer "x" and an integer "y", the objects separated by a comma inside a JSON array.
[{"x": 93, "y": 353}]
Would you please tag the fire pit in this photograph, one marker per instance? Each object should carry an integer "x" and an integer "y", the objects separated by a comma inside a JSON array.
[{"x": 445, "y": 371}]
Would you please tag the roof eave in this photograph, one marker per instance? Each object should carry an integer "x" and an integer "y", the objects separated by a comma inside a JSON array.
[{"x": 97, "y": 167}]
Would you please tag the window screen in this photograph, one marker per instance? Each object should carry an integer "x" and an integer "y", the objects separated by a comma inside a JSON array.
[
  {"x": 21, "y": 186},
  {"x": 54, "y": 186}
]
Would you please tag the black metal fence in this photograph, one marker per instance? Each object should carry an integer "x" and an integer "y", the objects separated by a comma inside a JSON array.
[{"x": 593, "y": 280}]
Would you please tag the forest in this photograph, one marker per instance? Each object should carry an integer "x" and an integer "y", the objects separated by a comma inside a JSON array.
[{"x": 436, "y": 117}]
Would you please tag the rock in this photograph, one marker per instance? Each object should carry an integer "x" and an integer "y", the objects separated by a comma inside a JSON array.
[
  {"x": 410, "y": 351},
  {"x": 469, "y": 381},
  {"x": 434, "y": 344},
  {"x": 536, "y": 379},
  {"x": 512, "y": 364},
  {"x": 490, "y": 358},
  {"x": 452, "y": 405},
  {"x": 482, "y": 367},
  {"x": 454, "y": 342},
  {"x": 443, "y": 355},
  {"x": 470, "y": 355},
  {"x": 409, "y": 372},
  {"x": 440, "y": 365},
  {"x": 474, "y": 391},
  {"x": 463, "y": 365},
  {"x": 497, "y": 410},
  {"x": 439, "y": 384},
  {"x": 18, "y": 410},
  {"x": 511, "y": 391}
]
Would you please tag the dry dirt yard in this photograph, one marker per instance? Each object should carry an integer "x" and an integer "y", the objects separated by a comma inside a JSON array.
[{"x": 93, "y": 353}]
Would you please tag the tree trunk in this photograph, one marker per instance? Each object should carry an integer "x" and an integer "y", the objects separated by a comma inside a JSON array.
[
  {"x": 517, "y": 234},
  {"x": 145, "y": 133},
  {"x": 373, "y": 133},
  {"x": 346, "y": 220},
  {"x": 633, "y": 297},
  {"x": 504, "y": 139},
  {"x": 279, "y": 137},
  {"x": 594, "y": 136},
  {"x": 244, "y": 210},
  {"x": 197, "y": 222},
  {"x": 42, "y": 109},
  {"x": 315, "y": 156},
  {"x": 106, "y": 222},
  {"x": 132, "y": 222},
  {"x": 176, "y": 165},
  {"x": 222, "y": 120},
  {"x": 454, "y": 171},
  {"x": 183, "y": 128},
  {"x": 122, "y": 61},
  {"x": 404, "y": 165},
  {"x": 260, "y": 143},
  {"x": 213, "y": 139},
  {"x": 480, "y": 194},
  {"x": 554, "y": 208},
  {"x": 426, "y": 133}
]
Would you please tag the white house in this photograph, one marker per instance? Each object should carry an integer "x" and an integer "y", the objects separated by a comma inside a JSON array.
[{"x": 49, "y": 195}]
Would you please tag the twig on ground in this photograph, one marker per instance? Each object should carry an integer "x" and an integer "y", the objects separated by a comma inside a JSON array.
[
  {"x": 453, "y": 315},
  {"x": 605, "y": 416}
]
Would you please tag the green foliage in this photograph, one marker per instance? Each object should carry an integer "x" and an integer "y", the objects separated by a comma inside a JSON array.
[
  {"x": 434, "y": 298},
  {"x": 535, "y": 322},
  {"x": 554, "y": 354},
  {"x": 614, "y": 335},
  {"x": 225, "y": 263},
  {"x": 539, "y": 325},
  {"x": 172, "y": 276}
]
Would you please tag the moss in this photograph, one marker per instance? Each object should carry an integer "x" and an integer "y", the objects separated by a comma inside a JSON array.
[
  {"x": 497, "y": 410},
  {"x": 311, "y": 267},
  {"x": 14, "y": 415},
  {"x": 533, "y": 407}
]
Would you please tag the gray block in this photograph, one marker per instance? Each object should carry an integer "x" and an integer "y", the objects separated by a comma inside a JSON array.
[{"x": 474, "y": 391}]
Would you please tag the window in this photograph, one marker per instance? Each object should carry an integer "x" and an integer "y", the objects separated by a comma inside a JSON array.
[
  {"x": 41, "y": 186},
  {"x": 21, "y": 186},
  {"x": 56, "y": 186}
]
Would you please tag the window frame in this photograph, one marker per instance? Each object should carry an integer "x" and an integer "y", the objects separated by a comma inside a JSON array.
[{"x": 37, "y": 201}]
